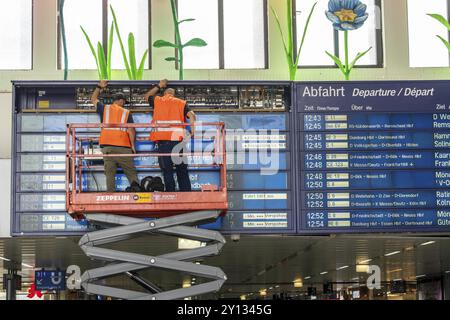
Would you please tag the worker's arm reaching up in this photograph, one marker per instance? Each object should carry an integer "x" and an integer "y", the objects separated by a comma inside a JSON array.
[
  {"x": 192, "y": 119},
  {"x": 102, "y": 85},
  {"x": 153, "y": 91},
  {"x": 132, "y": 135}
]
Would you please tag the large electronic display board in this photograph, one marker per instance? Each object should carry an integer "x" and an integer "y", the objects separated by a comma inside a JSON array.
[
  {"x": 373, "y": 156},
  {"x": 259, "y": 155},
  {"x": 329, "y": 157}
]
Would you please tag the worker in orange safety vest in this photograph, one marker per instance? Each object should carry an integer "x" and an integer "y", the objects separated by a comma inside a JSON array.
[
  {"x": 168, "y": 111},
  {"x": 116, "y": 140}
]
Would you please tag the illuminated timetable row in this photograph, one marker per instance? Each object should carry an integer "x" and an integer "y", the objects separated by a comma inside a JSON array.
[
  {"x": 365, "y": 141},
  {"x": 376, "y": 121},
  {"x": 377, "y": 199},
  {"x": 375, "y": 179},
  {"x": 376, "y": 160},
  {"x": 377, "y": 220}
]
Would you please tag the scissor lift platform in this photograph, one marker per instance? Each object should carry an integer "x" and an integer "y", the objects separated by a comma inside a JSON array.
[
  {"x": 146, "y": 204},
  {"x": 125, "y": 215}
]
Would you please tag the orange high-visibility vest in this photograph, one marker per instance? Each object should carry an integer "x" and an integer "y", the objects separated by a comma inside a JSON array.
[
  {"x": 168, "y": 110},
  {"x": 115, "y": 136}
]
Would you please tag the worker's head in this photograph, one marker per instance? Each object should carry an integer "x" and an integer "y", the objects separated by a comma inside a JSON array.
[
  {"x": 170, "y": 91},
  {"x": 119, "y": 99}
]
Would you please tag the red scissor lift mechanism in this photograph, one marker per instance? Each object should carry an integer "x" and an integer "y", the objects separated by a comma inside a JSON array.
[{"x": 124, "y": 215}]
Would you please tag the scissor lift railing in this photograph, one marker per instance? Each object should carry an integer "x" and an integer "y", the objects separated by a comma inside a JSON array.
[
  {"x": 123, "y": 216},
  {"x": 141, "y": 204}
]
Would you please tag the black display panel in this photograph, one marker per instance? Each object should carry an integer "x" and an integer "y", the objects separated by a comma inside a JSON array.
[
  {"x": 257, "y": 117},
  {"x": 351, "y": 156},
  {"x": 373, "y": 156}
]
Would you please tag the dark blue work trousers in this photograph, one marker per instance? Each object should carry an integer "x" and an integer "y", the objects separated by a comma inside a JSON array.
[{"x": 168, "y": 167}]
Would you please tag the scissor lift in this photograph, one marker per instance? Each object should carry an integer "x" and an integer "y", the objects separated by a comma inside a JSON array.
[{"x": 125, "y": 215}]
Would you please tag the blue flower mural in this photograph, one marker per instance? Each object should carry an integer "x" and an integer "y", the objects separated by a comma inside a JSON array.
[{"x": 346, "y": 15}]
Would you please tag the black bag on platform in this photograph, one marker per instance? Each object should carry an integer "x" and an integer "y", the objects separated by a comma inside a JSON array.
[
  {"x": 152, "y": 184},
  {"x": 135, "y": 187}
]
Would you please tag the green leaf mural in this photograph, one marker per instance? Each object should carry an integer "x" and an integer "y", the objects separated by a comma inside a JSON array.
[
  {"x": 178, "y": 45},
  {"x": 130, "y": 62},
  {"x": 94, "y": 53},
  {"x": 196, "y": 42},
  {"x": 163, "y": 43},
  {"x": 288, "y": 41},
  {"x": 63, "y": 37},
  {"x": 441, "y": 19},
  {"x": 110, "y": 45},
  {"x": 445, "y": 23},
  {"x": 103, "y": 62}
]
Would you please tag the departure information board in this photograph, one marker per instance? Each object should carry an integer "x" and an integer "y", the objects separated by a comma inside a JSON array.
[
  {"x": 302, "y": 158},
  {"x": 373, "y": 157}
]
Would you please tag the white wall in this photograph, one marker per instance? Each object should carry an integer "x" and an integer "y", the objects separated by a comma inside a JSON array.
[
  {"x": 5, "y": 125},
  {"x": 5, "y": 197},
  {"x": 5, "y": 164}
]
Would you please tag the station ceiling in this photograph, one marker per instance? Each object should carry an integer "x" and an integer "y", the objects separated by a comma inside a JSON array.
[{"x": 255, "y": 263}]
